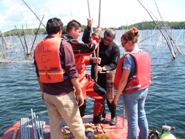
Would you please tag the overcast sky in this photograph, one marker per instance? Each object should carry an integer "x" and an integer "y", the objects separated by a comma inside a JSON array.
[{"x": 114, "y": 13}]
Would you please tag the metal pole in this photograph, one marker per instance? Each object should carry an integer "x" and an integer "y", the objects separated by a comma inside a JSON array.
[
  {"x": 89, "y": 11},
  {"x": 99, "y": 15},
  {"x": 36, "y": 35},
  {"x": 98, "y": 49},
  {"x": 33, "y": 13}
]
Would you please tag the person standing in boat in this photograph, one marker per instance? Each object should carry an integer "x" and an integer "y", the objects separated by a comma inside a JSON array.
[
  {"x": 109, "y": 53},
  {"x": 133, "y": 79},
  {"x": 82, "y": 51},
  {"x": 57, "y": 75}
]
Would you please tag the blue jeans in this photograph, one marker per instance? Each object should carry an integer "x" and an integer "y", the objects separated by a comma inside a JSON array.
[{"x": 136, "y": 115}]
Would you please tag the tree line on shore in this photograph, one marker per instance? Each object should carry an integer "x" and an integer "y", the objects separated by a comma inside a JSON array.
[
  {"x": 141, "y": 26},
  {"x": 152, "y": 25}
]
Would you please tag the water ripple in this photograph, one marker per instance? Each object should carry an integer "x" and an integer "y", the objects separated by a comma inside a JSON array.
[{"x": 19, "y": 92}]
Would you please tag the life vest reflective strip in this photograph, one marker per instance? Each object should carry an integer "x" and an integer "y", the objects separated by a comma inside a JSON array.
[
  {"x": 142, "y": 79},
  {"x": 50, "y": 73},
  {"x": 47, "y": 56}
]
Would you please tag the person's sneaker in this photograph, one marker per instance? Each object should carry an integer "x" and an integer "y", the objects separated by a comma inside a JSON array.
[
  {"x": 113, "y": 121},
  {"x": 104, "y": 120},
  {"x": 98, "y": 119}
]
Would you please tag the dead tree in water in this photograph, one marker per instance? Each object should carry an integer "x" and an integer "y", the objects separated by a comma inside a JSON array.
[
  {"x": 3, "y": 46},
  {"x": 173, "y": 47},
  {"x": 24, "y": 41}
]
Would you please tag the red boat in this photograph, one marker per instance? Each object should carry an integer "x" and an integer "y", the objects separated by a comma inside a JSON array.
[{"x": 98, "y": 131}]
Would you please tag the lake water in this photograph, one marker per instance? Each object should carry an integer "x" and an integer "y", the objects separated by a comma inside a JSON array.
[{"x": 19, "y": 90}]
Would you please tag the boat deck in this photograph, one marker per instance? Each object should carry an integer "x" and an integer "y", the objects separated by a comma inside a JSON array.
[{"x": 100, "y": 131}]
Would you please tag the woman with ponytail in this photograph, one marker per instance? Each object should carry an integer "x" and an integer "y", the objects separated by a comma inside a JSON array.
[{"x": 132, "y": 79}]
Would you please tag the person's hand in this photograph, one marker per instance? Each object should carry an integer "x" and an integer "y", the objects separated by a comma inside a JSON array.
[
  {"x": 98, "y": 68},
  {"x": 80, "y": 99},
  {"x": 116, "y": 100},
  {"x": 42, "y": 95},
  {"x": 96, "y": 60},
  {"x": 89, "y": 22},
  {"x": 98, "y": 30}
]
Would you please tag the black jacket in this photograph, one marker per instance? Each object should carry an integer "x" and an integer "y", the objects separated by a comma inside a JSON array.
[{"x": 109, "y": 55}]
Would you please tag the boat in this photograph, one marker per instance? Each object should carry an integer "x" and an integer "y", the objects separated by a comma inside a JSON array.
[{"x": 36, "y": 129}]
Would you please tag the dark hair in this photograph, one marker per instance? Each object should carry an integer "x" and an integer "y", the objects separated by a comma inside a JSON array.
[
  {"x": 54, "y": 25},
  {"x": 131, "y": 35},
  {"x": 110, "y": 33},
  {"x": 73, "y": 24}
]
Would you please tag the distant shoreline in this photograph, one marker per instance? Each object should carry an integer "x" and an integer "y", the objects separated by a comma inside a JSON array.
[
  {"x": 146, "y": 25},
  {"x": 160, "y": 24}
]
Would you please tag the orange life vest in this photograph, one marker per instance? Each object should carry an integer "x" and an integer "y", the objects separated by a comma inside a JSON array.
[
  {"x": 142, "y": 79},
  {"x": 47, "y": 57}
]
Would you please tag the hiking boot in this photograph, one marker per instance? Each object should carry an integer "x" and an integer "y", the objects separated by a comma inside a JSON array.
[{"x": 113, "y": 121}]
